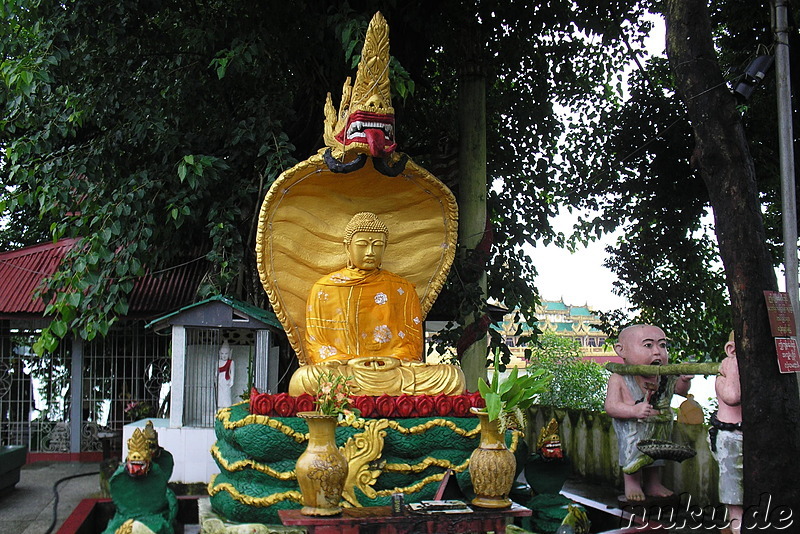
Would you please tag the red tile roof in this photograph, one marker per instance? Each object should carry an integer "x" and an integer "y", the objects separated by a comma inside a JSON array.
[{"x": 21, "y": 272}]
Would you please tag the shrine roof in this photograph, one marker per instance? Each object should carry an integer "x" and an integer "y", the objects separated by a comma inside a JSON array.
[
  {"x": 22, "y": 271},
  {"x": 264, "y": 316}
]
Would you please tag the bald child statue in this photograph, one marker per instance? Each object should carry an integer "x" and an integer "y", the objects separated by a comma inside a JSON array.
[{"x": 639, "y": 406}]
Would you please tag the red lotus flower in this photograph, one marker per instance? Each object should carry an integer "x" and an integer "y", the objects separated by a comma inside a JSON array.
[
  {"x": 261, "y": 403},
  {"x": 366, "y": 405},
  {"x": 461, "y": 405},
  {"x": 304, "y": 403},
  {"x": 444, "y": 404},
  {"x": 283, "y": 404},
  {"x": 424, "y": 405},
  {"x": 477, "y": 400},
  {"x": 385, "y": 406},
  {"x": 405, "y": 405}
]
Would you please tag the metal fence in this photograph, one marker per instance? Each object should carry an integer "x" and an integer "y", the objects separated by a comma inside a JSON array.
[
  {"x": 123, "y": 377},
  {"x": 200, "y": 387}
]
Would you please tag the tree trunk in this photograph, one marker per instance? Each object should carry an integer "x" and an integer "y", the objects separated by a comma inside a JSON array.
[
  {"x": 771, "y": 407},
  {"x": 472, "y": 192}
]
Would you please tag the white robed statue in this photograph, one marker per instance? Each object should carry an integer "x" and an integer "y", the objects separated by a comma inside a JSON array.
[{"x": 224, "y": 376}]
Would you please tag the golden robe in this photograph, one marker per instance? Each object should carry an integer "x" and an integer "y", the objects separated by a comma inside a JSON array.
[{"x": 353, "y": 313}]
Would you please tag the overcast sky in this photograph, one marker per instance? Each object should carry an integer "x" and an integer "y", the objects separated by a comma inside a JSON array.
[{"x": 580, "y": 278}]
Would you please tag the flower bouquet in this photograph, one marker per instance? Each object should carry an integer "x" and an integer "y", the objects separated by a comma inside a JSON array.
[{"x": 333, "y": 397}]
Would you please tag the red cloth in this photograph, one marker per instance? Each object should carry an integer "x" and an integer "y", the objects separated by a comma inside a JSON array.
[{"x": 226, "y": 368}]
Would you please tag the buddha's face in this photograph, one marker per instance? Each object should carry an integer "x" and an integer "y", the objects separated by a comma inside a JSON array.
[{"x": 365, "y": 250}]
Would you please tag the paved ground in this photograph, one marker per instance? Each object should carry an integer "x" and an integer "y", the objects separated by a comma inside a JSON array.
[{"x": 28, "y": 508}]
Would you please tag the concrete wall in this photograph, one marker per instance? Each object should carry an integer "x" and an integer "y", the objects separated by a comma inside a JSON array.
[
  {"x": 589, "y": 441},
  {"x": 190, "y": 448}
]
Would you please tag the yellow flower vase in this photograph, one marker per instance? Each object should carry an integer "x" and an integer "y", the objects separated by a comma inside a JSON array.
[
  {"x": 321, "y": 469},
  {"x": 491, "y": 466}
]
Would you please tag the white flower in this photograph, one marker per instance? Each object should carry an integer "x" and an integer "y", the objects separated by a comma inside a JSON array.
[
  {"x": 326, "y": 351},
  {"x": 381, "y": 298},
  {"x": 339, "y": 278},
  {"x": 381, "y": 334},
  {"x": 321, "y": 295}
]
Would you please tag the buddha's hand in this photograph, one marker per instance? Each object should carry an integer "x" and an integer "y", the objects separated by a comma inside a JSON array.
[{"x": 375, "y": 363}]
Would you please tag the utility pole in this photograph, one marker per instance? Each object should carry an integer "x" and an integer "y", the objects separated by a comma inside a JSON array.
[{"x": 786, "y": 151}]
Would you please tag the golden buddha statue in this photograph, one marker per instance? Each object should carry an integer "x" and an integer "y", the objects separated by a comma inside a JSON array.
[
  {"x": 362, "y": 321},
  {"x": 363, "y": 310},
  {"x": 366, "y": 323}
]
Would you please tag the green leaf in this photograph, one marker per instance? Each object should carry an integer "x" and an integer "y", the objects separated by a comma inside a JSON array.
[
  {"x": 59, "y": 328},
  {"x": 514, "y": 399},
  {"x": 493, "y": 405},
  {"x": 483, "y": 387},
  {"x": 121, "y": 308},
  {"x": 509, "y": 382},
  {"x": 102, "y": 327}
]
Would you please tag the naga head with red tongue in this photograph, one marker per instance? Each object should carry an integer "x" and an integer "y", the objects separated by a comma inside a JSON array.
[
  {"x": 364, "y": 123},
  {"x": 140, "y": 456},
  {"x": 549, "y": 442}
]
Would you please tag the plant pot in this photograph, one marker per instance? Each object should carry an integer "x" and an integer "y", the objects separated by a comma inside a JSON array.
[
  {"x": 491, "y": 466},
  {"x": 321, "y": 469},
  {"x": 547, "y": 475}
]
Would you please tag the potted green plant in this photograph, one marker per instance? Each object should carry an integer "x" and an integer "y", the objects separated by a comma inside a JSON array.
[
  {"x": 514, "y": 393},
  {"x": 492, "y": 466}
]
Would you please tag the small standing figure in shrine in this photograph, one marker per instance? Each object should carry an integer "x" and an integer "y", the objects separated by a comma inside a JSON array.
[
  {"x": 725, "y": 436},
  {"x": 640, "y": 408},
  {"x": 225, "y": 376}
]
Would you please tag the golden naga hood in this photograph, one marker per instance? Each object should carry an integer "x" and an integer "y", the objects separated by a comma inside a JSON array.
[
  {"x": 306, "y": 209},
  {"x": 364, "y": 123}
]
